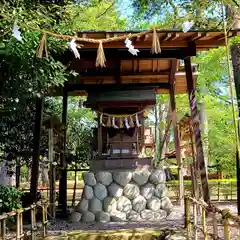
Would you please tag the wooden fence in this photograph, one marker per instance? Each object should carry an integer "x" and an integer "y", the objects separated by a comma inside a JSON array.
[
  {"x": 217, "y": 226},
  {"x": 18, "y": 215}
]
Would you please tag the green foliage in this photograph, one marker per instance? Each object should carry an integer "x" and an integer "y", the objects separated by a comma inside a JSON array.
[
  {"x": 24, "y": 77},
  {"x": 10, "y": 199},
  {"x": 205, "y": 14}
]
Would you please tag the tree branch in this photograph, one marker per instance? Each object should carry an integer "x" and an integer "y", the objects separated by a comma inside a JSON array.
[{"x": 106, "y": 10}]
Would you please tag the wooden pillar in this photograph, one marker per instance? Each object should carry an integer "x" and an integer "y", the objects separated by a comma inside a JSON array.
[
  {"x": 235, "y": 53},
  {"x": 36, "y": 148},
  {"x": 51, "y": 172},
  {"x": 176, "y": 131},
  {"x": 63, "y": 177},
  {"x": 196, "y": 128},
  {"x": 18, "y": 171},
  {"x": 99, "y": 135}
]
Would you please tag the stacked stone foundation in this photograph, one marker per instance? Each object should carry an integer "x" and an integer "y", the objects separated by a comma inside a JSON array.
[{"x": 138, "y": 195}]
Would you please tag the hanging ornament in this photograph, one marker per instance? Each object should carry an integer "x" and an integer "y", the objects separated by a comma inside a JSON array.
[
  {"x": 114, "y": 124},
  {"x": 137, "y": 121},
  {"x": 131, "y": 49},
  {"x": 126, "y": 123},
  {"x": 121, "y": 123},
  {"x": 155, "y": 43},
  {"x": 109, "y": 122},
  {"x": 16, "y": 33},
  {"x": 100, "y": 61},
  {"x": 186, "y": 26},
  {"x": 101, "y": 120},
  {"x": 73, "y": 46},
  {"x": 131, "y": 122}
]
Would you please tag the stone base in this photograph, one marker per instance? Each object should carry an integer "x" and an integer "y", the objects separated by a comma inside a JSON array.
[{"x": 136, "y": 195}]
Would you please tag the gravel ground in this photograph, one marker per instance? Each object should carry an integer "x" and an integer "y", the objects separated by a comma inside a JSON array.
[{"x": 61, "y": 227}]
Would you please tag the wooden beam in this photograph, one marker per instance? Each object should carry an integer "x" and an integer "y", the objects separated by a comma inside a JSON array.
[
  {"x": 197, "y": 36},
  {"x": 176, "y": 130},
  {"x": 92, "y": 72},
  {"x": 100, "y": 87},
  {"x": 36, "y": 148},
  {"x": 63, "y": 179},
  {"x": 196, "y": 128}
]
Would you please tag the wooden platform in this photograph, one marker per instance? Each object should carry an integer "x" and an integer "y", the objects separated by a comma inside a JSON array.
[{"x": 121, "y": 164}]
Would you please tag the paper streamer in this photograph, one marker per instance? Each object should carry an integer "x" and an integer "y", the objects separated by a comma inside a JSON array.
[
  {"x": 131, "y": 49},
  {"x": 137, "y": 121},
  {"x": 126, "y": 123},
  {"x": 186, "y": 26},
  {"x": 73, "y": 46},
  {"x": 113, "y": 123},
  {"x": 101, "y": 120},
  {"x": 16, "y": 33}
]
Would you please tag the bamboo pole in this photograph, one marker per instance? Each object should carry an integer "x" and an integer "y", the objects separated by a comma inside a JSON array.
[
  {"x": 204, "y": 223},
  {"x": 187, "y": 215},
  {"x": 3, "y": 229},
  {"x": 195, "y": 231},
  {"x": 44, "y": 219},
  {"x": 33, "y": 222},
  {"x": 225, "y": 223}
]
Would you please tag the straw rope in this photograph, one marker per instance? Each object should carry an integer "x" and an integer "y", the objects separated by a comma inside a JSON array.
[
  {"x": 70, "y": 37},
  {"x": 121, "y": 115}
]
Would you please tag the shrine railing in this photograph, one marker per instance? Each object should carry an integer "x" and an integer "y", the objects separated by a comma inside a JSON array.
[
  {"x": 213, "y": 223},
  {"x": 19, "y": 232}
]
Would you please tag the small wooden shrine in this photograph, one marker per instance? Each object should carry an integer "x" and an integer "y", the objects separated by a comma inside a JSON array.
[
  {"x": 120, "y": 132},
  {"x": 121, "y": 80}
]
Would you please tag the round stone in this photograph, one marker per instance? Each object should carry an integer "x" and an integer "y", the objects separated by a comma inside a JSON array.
[
  {"x": 100, "y": 191},
  {"x": 88, "y": 192},
  {"x": 166, "y": 204},
  {"x": 147, "y": 190},
  {"x": 124, "y": 205},
  {"x": 82, "y": 206},
  {"x": 158, "y": 176},
  {"x": 88, "y": 217},
  {"x": 104, "y": 177},
  {"x": 131, "y": 191},
  {"x": 95, "y": 205},
  {"x": 175, "y": 216},
  {"x": 75, "y": 217},
  {"x": 122, "y": 178},
  {"x": 141, "y": 177},
  {"x": 139, "y": 203},
  {"x": 147, "y": 215},
  {"x": 115, "y": 190},
  {"x": 89, "y": 178},
  {"x": 134, "y": 216},
  {"x": 119, "y": 217},
  {"x": 154, "y": 203},
  {"x": 159, "y": 215},
  {"x": 102, "y": 217},
  {"x": 161, "y": 190},
  {"x": 109, "y": 205}
]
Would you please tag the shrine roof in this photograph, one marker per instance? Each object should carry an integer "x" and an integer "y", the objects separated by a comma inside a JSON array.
[
  {"x": 168, "y": 38},
  {"x": 126, "y": 71}
]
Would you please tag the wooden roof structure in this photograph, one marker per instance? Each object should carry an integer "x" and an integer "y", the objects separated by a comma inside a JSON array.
[{"x": 124, "y": 70}]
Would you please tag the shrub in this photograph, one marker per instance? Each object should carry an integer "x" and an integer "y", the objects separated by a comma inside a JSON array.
[{"x": 10, "y": 199}]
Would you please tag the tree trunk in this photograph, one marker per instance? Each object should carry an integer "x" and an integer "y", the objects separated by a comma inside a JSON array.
[
  {"x": 204, "y": 130},
  {"x": 235, "y": 54},
  {"x": 163, "y": 122}
]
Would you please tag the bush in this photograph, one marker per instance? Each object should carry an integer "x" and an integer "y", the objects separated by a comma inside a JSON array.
[{"x": 10, "y": 199}]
